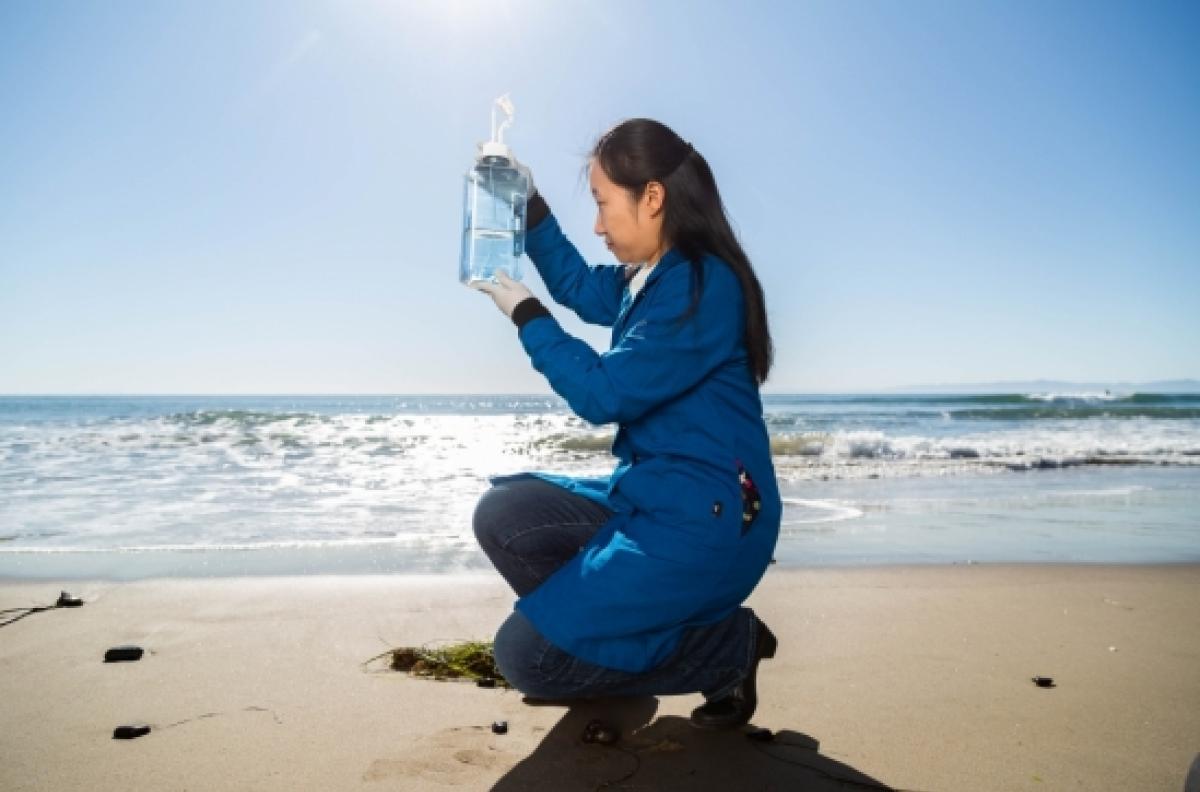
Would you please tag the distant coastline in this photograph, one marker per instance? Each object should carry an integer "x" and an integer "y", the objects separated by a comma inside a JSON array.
[
  {"x": 1044, "y": 385},
  {"x": 1018, "y": 386}
]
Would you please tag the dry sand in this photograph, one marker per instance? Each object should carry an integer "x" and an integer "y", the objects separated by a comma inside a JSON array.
[{"x": 901, "y": 677}]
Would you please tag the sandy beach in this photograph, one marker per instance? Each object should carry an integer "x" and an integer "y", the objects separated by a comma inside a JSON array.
[{"x": 895, "y": 677}]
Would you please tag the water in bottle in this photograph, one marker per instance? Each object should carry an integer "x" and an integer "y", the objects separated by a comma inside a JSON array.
[{"x": 495, "y": 194}]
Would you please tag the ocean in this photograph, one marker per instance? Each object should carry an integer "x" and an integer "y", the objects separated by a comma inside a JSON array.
[{"x": 129, "y": 487}]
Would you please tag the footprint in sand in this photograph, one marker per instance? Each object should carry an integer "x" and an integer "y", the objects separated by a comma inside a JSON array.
[{"x": 452, "y": 756}]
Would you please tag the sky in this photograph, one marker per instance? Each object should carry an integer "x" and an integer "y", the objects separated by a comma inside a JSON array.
[{"x": 266, "y": 197}]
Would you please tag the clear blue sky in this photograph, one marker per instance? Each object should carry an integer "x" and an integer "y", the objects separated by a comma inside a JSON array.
[{"x": 232, "y": 197}]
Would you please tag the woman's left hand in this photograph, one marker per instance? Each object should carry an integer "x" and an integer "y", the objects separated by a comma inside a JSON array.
[{"x": 507, "y": 294}]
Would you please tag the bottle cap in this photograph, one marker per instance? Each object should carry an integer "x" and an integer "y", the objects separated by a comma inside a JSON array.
[{"x": 494, "y": 148}]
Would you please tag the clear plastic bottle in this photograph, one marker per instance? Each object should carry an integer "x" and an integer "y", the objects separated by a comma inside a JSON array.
[{"x": 495, "y": 198}]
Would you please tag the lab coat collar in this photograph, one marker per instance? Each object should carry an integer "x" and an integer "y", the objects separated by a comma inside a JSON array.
[
  {"x": 669, "y": 259},
  {"x": 673, "y": 257}
]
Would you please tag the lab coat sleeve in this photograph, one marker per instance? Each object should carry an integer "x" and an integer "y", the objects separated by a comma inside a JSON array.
[
  {"x": 592, "y": 291},
  {"x": 652, "y": 363}
]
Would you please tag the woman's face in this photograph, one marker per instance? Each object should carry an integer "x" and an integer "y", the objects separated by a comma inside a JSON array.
[{"x": 632, "y": 230}]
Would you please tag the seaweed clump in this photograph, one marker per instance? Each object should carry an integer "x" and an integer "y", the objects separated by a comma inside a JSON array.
[{"x": 471, "y": 660}]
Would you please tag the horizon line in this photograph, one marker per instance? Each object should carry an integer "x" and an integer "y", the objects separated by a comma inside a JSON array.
[{"x": 932, "y": 389}]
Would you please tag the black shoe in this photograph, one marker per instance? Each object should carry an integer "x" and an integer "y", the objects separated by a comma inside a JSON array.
[{"x": 738, "y": 707}]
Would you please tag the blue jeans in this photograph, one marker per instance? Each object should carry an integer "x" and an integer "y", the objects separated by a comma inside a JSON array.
[{"x": 529, "y": 528}]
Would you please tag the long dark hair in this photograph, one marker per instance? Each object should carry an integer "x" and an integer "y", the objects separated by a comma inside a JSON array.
[{"x": 641, "y": 150}]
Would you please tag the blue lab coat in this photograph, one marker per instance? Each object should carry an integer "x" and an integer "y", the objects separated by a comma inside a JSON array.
[{"x": 687, "y": 409}]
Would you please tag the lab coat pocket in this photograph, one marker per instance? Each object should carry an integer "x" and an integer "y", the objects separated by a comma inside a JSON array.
[{"x": 702, "y": 512}]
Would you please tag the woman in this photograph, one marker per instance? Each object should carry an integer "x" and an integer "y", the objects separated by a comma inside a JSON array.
[{"x": 631, "y": 584}]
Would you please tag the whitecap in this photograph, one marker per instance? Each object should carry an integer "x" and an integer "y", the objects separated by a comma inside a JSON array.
[{"x": 826, "y": 511}]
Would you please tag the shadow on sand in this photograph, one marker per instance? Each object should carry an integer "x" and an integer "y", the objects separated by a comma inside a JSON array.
[{"x": 668, "y": 753}]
